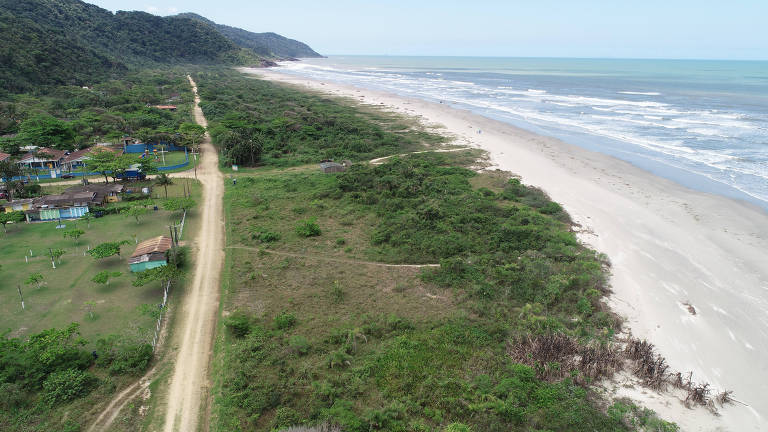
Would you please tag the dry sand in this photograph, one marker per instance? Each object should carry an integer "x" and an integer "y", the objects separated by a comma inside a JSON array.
[{"x": 670, "y": 246}]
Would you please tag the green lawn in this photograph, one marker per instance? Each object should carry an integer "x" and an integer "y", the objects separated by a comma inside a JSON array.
[
  {"x": 170, "y": 158},
  {"x": 62, "y": 298}
]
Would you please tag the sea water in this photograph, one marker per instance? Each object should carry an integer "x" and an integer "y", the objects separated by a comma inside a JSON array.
[{"x": 701, "y": 123}]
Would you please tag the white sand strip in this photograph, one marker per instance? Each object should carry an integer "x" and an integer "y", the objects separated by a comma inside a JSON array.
[{"x": 669, "y": 245}]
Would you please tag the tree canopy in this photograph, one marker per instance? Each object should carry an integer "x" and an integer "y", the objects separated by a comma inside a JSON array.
[
  {"x": 107, "y": 249},
  {"x": 14, "y": 216}
]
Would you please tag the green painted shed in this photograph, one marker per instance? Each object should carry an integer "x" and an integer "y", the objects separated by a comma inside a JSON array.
[{"x": 150, "y": 254}]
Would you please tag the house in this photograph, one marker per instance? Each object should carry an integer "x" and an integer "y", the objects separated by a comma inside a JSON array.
[
  {"x": 165, "y": 107},
  {"x": 17, "y": 205},
  {"x": 4, "y": 156},
  {"x": 104, "y": 193},
  {"x": 43, "y": 158},
  {"x": 63, "y": 206},
  {"x": 73, "y": 203},
  {"x": 75, "y": 160},
  {"x": 331, "y": 167},
  {"x": 150, "y": 254}
]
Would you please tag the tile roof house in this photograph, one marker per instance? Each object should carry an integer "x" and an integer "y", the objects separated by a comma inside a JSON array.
[
  {"x": 77, "y": 159},
  {"x": 4, "y": 156},
  {"x": 150, "y": 254},
  {"x": 104, "y": 192},
  {"x": 73, "y": 203},
  {"x": 43, "y": 158}
]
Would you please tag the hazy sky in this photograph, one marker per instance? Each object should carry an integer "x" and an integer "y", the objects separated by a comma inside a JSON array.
[{"x": 719, "y": 29}]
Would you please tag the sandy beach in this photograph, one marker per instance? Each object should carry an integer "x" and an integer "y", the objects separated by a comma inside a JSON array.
[{"x": 670, "y": 247}]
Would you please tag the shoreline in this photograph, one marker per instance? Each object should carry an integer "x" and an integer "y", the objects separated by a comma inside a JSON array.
[{"x": 670, "y": 247}]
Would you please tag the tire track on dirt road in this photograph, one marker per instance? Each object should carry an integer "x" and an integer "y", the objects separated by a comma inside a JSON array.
[{"x": 190, "y": 383}]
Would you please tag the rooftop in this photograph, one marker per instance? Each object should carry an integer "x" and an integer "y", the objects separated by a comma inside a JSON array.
[
  {"x": 159, "y": 244},
  {"x": 53, "y": 155}
]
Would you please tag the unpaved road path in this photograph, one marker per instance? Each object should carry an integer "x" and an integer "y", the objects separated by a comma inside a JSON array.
[
  {"x": 190, "y": 384},
  {"x": 331, "y": 259},
  {"x": 197, "y": 315}
]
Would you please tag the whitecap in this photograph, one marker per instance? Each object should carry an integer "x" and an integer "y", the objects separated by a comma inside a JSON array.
[{"x": 640, "y": 93}]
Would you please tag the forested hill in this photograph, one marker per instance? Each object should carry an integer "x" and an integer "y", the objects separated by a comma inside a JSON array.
[
  {"x": 265, "y": 44},
  {"x": 69, "y": 42}
]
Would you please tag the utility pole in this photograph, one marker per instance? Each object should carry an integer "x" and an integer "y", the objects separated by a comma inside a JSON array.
[{"x": 22, "y": 297}]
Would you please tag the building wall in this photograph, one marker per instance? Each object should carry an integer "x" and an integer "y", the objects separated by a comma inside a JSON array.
[{"x": 148, "y": 265}]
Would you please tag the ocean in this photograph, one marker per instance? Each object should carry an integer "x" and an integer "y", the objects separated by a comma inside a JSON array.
[{"x": 701, "y": 123}]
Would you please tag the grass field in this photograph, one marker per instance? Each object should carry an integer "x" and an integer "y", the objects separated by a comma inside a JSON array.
[
  {"x": 63, "y": 296},
  {"x": 171, "y": 158}
]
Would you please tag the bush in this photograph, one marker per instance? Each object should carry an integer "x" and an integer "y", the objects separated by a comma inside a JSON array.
[
  {"x": 178, "y": 256},
  {"x": 238, "y": 323},
  {"x": 457, "y": 427},
  {"x": 299, "y": 344},
  {"x": 308, "y": 228},
  {"x": 66, "y": 386},
  {"x": 11, "y": 396},
  {"x": 123, "y": 356},
  {"x": 285, "y": 417},
  {"x": 285, "y": 320},
  {"x": 337, "y": 293},
  {"x": 265, "y": 236}
]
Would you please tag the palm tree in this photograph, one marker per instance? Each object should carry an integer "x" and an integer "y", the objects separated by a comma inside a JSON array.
[{"x": 163, "y": 180}]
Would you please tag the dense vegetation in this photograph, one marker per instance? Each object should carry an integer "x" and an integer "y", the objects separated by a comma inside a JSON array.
[
  {"x": 270, "y": 45},
  {"x": 53, "y": 368},
  {"x": 69, "y": 117},
  {"x": 317, "y": 331},
  {"x": 70, "y": 42},
  {"x": 286, "y": 127}
]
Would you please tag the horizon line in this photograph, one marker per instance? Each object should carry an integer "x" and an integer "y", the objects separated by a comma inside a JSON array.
[{"x": 548, "y": 57}]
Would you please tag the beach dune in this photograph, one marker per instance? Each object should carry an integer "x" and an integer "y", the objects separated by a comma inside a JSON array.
[{"x": 689, "y": 269}]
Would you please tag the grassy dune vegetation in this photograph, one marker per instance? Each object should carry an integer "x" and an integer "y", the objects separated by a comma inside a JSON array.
[
  {"x": 321, "y": 325},
  {"x": 291, "y": 127}
]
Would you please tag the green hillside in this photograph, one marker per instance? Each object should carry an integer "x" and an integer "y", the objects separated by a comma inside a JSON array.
[
  {"x": 69, "y": 42},
  {"x": 265, "y": 44}
]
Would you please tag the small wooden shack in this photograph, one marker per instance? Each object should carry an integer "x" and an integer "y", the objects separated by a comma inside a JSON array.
[{"x": 150, "y": 254}]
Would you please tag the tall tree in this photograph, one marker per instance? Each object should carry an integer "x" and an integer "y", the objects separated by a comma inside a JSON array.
[
  {"x": 164, "y": 180},
  {"x": 192, "y": 134},
  {"x": 74, "y": 233},
  {"x": 14, "y": 216}
]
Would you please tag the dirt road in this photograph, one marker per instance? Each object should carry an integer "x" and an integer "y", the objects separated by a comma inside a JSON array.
[{"x": 189, "y": 384}]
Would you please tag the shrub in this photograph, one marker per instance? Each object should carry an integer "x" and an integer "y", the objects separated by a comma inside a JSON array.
[
  {"x": 308, "y": 228},
  {"x": 265, "y": 236},
  {"x": 123, "y": 356},
  {"x": 11, "y": 396},
  {"x": 178, "y": 256},
  {"x": 284, "y": 417},
  {"x": 284, "y": 320},
  {"x": 299, "y": 344},
  {"x": 340, "y": 241},
  {"x": 238, "y": 323},
  {"x": 337, "y": 293},
  {"x": 67, "y": 385},
  {"x": 457, "y": 427}
]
